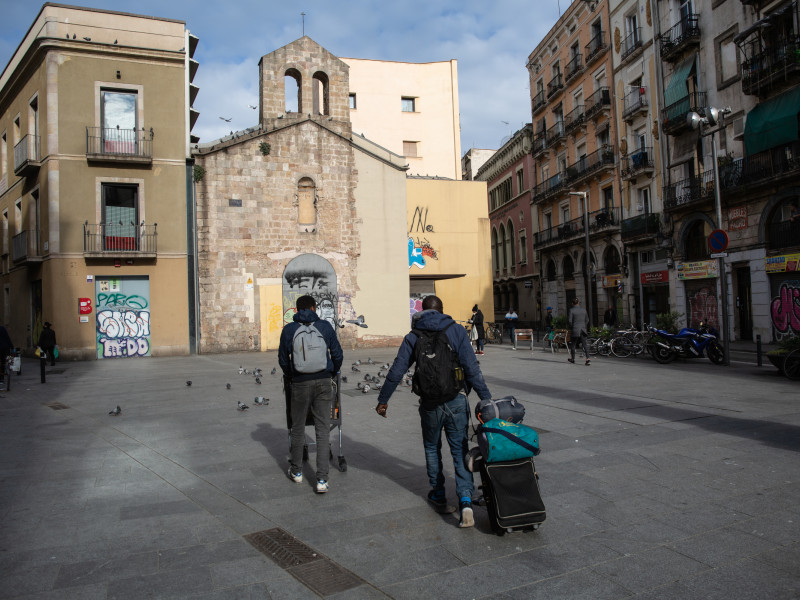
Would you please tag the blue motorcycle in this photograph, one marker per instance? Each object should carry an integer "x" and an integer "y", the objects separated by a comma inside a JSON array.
[{"x": 687, "y": 343}]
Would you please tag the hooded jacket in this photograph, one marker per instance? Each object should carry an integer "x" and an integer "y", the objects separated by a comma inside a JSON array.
[
  {"x": 433, "y": 320},
  {"x": 335, "y": 355}
]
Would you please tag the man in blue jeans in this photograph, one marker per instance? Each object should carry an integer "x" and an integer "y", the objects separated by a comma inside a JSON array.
[
  {"x": 311, "y": 388},
  {"x": 452, "y": 415}
]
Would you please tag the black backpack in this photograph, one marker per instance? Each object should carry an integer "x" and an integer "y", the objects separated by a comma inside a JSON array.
[{"x": 438, "y": 376}]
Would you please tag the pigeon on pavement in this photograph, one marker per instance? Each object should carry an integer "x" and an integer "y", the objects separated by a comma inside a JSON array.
[
  {"x": 356, "y": 369},
  {"x": 260, "y": 400},
  {"x": 228, "y": 385},
  {"x": 258, "y": 380},
  {"x": 344, "y": 378},
  {"x": 189, "y": 383},
  {"x": 274, "y": 370},
  {"x": 242, "y": 406},
  {"x": 116, "y": 412},
  {"x": 370, "y": 361},
  {"x": 241, "y": 369}
]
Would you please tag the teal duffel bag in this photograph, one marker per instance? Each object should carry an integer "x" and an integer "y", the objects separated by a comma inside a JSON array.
[{"x": 500, "y": 440}]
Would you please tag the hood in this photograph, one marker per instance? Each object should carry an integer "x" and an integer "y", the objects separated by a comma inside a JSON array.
[
  {"x": 430, "y": 320},
  {"x": 305, "y": 316}
]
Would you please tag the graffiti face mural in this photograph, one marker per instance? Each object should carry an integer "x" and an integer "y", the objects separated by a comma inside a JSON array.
[
  {"x": 313, "y": 275},
  {"x": 785, "y": 309},
  {"x": 123, "y": 317}
]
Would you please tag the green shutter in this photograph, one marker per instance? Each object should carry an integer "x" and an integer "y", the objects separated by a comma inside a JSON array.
[
  {"x": 677, "y": 89},
  {"x": 772, "y": 123}
]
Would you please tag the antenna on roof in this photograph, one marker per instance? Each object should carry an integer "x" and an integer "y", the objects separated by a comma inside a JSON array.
[{"x": 303, "y": 15}]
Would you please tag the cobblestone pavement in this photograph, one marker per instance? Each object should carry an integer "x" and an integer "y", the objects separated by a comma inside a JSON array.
[{"x": 661, "y": 481}]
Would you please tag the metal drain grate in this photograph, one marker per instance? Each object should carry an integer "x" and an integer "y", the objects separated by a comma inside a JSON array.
[
  {"x": 56, "y": 405},
  {"x": 312, "y": 569}
]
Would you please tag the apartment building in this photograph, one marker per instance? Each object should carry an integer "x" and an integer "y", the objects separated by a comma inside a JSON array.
[
  {"x": 95, "y": 114},
  {"x": 575, "y": 163}
]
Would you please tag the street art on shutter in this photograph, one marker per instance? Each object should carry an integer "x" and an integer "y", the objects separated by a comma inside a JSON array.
[{"x": 123, "y": 317}]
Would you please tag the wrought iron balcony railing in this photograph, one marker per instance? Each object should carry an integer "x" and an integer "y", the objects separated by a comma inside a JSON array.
[
  {"x": 597, "y": 102},
  {"x": 683, "y": 35},
  {"x": 128, "y": 145},
  {"x": 766, "y": 167},
  {"x": 777, "y": 67},
  {"x": 555, "y": 133},
  {"x": 575, "y": 118},
  {"x": 631, "y": 43},
  {"x": 539, "y": 142},
  {"x": 573, "y": 67},
  {"x": 635, "y": 102},
  {"x": 25, "y": 247},
  {"x": 26, "y": 156},
  {"x": 596, "y": 47},
  {"x": 638, "y": 162},
  {"x": 673, "y": 117},
  {"x": 642, "y": 226},
  {"x": 556, "y": 85},
  {"x": 689, "y": 192},
  {"x": 599, "y": 160},
  {"x": 106, "y": 238},
  {"x": 539, "y": 100},
  {"x": 548, "y": 187},
  {"x": 783, "y": 235},
  {"x": 599, "y": 220}
]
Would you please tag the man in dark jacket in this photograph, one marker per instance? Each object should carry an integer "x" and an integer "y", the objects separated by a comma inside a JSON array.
[
  {"x": 579, "y": 326},
  {"x": 6, "y": 346},
  {"x": 452, "y": 415},
  {"x": 47, "y": 342},
  {"x": 309, "y": 391}
]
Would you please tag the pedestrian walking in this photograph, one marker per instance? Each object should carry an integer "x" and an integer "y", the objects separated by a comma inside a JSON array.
[
  {"x": 578, "y": 320},
  {"x": 47, "y": 342},
  {"x": 478, "y": 332},
  {"x": 548, "y": 320},
  {"x": 310, "y": 356},
  {"x": 446, "y": 371},
  {"x": 511, "y": 323}
]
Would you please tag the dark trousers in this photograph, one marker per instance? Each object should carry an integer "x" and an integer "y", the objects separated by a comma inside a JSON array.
[
  {"x": 314, "y": 395},
  {"x": 573, "y": 342}
]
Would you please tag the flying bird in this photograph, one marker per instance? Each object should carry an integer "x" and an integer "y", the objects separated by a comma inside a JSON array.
[
  {"x": 226, "y": 120},
  {"x": 228, "y": 385},
  {"x": 253, "y": 107},
  {"x": 116, "y": 412},
  {"x": 241, "y": 406},
  {"x": 189, "y": 383}
]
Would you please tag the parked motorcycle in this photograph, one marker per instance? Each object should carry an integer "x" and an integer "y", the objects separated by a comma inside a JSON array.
[{"x": 687, "y": 343}]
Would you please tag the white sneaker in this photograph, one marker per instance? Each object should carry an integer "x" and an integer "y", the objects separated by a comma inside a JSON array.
[
  {"x": 322, "y": 486},
  {"x": 296, "y": 477}
]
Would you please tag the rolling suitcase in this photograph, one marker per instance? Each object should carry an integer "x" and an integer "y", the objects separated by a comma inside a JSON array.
[{"x": 511, "y": 492}]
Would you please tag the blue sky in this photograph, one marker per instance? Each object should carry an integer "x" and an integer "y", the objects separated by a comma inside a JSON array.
[{"x": 490, "y": 40}]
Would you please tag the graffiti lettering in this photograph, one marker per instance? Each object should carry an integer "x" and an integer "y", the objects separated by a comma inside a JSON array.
[
  {"x": 126, "y": 347},
  {"x": 415, "y": 256},
  {"x": 116, "y": 299},
  {"x": 419, "y": 222},
  {"x": 117, "y": 324},
  {"x": 703, "y": 307},
  {"x": 785, "y": 308}
]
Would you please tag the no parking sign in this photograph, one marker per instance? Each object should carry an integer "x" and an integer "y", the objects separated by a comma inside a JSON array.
[{"x": 718, "y": 240}]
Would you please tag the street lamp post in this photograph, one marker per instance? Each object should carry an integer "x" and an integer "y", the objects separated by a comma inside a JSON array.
[
  {"x": 589, "y": 305},
  {"x": 713, "y": 117}
]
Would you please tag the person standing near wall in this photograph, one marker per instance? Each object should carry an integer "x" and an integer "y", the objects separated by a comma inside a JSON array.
[
  {"x": 6, "y": 346},
  {"x": 47, "y": 342},
  {"x": 477, "y": 326},
  {"x": 511, "y": 323}
]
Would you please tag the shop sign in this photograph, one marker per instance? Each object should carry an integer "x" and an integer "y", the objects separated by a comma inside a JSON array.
[
  {"x": 655, "y": 277},
  {"x": 737, "y": 218},
  {"x": 610, "y": 281},
  {"x": 84, "y": 306},
  {"x": 782, "y": 263},
  {"x": 528, "y": 283},
  {"x": 702, "y": 269}
]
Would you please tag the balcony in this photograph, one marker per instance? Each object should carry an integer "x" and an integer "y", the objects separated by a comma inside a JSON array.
[
  {"x": 549, "y": 187},
  {"x": 603, "y": 220},
  {"x": 763, "y": 168},
  {"x": 783, "y": 235},
  {"x": 598, "y": 103},
  {"x": 631, "y": 44},
  {"x": 539, "y": 143},
  {"x": 635, "y": 103},
  {"x": 555, "y": 134},
  {"x": 119, "y": 145},
  {"x": 573, "y": 68},
  {"x": 25, "y": 247},
  {"x": 102, "y": 239},
  {"x": 638, "y": 163},
  {"x": 26, "y": 156},
  {"x": 575, "y": 119},
  {"x": 673, "y": 118},
  {"x": 776, "y": 68},
  {"x": 690, "y": 193},
  {"x": 556, "y": 85},
  {"x": 676, "y": 40},
  {"x": 596, "y": 47},
  {"x": 642, "y": 227},
  {"x": 597, "y": 162},
  {"x": 539, "y": 101}
]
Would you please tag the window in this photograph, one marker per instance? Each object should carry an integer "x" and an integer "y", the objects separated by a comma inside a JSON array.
[
  {"x": 3, "y": 158},
  {"x": 120, "y": 215},
  {"x": 564, "y": 213},
  {"x": 319, "y": 88},
  {"x": 408, "y": 104},
  {"x": 696, "y": 244},
  {"x": 632, "y": 28},
  {"x": 18, "y": 217},
  {"x": 523, "y": 247},
  {"x": 306, "y": 205},
  {"x": 608, "y": 197},
  {"x": 511, "y": 251},
  {"x": 548, "y": 220},
  {"x": 5, "y": 231},
  {"x": 500, "y": 194},
  {"x": 410, "y": 148},
  {"x": 15, "y": 139},
  {"x": 520, "y": 181},
  {"x": 293, "y": 91},
  {"x": 118, "y": 118},
  {"x": 727, "y": 60},
  {"x": 352, "y": 101},
  {"x": 551, "y": 270},
  {"x": 644, "y": 200}
]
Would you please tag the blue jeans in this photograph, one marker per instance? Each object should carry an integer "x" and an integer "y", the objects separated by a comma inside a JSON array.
[
  {"x": 314, "y": 395},
  {"x": 453, "y": 417}
]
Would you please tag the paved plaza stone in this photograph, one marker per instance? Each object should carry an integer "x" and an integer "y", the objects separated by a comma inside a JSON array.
[{"x": 660, "y": 481}]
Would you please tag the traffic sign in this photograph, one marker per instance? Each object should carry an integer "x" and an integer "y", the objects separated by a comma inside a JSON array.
[
  {"x": 719, "y": 255},
  {"x": 718, "y": 240}
]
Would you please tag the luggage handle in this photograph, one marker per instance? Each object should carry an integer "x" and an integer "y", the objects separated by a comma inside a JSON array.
[{"x": 513, "y": 438}]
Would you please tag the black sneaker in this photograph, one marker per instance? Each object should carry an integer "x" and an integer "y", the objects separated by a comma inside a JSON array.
[
  {"x": 438, "y": 499},
  {"x": 467, "y": 518}
]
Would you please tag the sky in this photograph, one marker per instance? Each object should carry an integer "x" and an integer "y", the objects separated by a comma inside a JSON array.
[{"x": 490, "y": 40}]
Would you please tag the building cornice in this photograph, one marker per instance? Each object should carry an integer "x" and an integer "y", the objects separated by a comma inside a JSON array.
[{"x": 513, "y": 150}]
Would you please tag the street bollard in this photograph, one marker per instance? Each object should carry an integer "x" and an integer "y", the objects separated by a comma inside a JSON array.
[
  {"x": 758, "y": 350},
  {"x": 42, "y": 364}
]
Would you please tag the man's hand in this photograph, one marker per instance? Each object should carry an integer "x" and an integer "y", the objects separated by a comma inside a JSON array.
[{"x": 381, "y": 409}]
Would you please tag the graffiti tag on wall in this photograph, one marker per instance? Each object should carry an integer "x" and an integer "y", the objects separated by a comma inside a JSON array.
[
  {"x": 123, "y": 325},
  {"x": 420, "y": 248},
  {"x": 313, "y": 275},
  {"x": 703, "y": 308},
  {"x": 785, "y": 309}
]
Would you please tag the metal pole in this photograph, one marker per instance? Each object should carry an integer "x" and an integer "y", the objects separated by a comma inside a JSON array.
[
  {"x": 641, "y": 289},
  {"x": 590, "y": 306},
  {"x": 721, "y": 260}
]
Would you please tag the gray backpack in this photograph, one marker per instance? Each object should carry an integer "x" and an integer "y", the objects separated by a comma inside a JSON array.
[{"x": 309, "y": 350}]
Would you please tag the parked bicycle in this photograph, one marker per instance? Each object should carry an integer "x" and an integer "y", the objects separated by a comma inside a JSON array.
[{"x": 494, "y": 333}]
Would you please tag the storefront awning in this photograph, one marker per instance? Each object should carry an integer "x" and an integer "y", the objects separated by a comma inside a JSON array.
[
  {"x": 677, "y": 89},
  {"x": 772, "y": 123}
]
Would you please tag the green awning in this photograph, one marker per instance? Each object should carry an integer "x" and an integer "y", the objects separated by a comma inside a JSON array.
[
  {"x": 677, "y": 89},
  {"x": 772, "y": 123}
]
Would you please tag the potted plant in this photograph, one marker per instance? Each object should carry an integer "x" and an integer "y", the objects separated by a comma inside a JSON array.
[{"x": 786, "y": 345}]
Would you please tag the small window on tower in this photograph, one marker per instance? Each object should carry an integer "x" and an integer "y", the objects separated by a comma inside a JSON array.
[
  {"x": 352, "y": 101},
  {"x": 408, "y": 104}
]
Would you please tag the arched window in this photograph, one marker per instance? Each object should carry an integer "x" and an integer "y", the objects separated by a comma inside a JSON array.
[
  {"x": 306, "y": 205},
  {"x": 783, "y": 228},
  {"x": 293, "y": 90},
  {"x": 495, "y": 253},
  {"x": 320, "y": 88},
  {"x": 551, "y": 270},
  {"x": 611, "y": 261},
  {"x": 696, "y": 243},
  {"x": 510, "y": 250},
  {"x": 503, "y": 247},
  {"x": 568, "y": 268}
]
